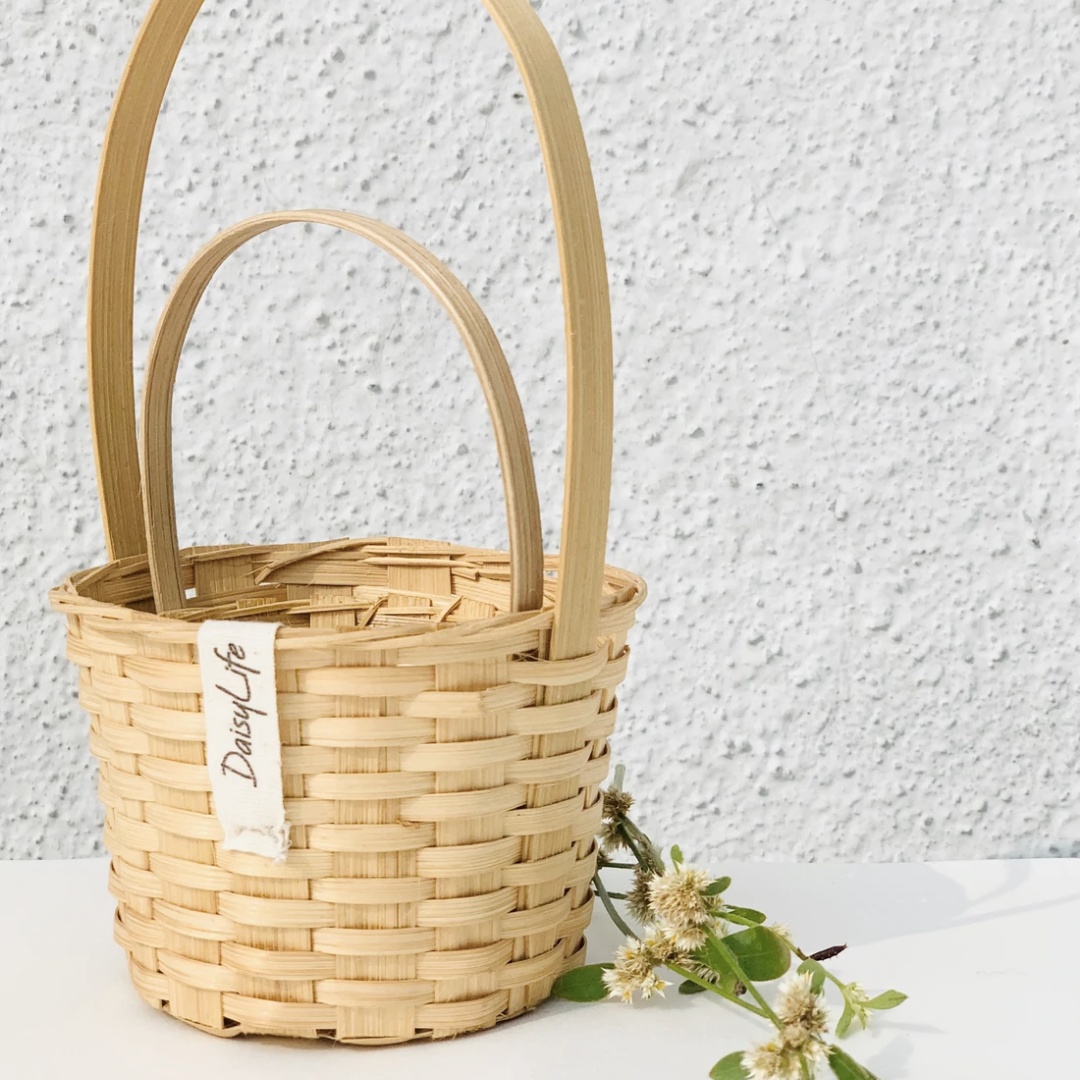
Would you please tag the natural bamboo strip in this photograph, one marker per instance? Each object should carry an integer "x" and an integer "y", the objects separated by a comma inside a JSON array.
[{"x": 511, "y": 435}]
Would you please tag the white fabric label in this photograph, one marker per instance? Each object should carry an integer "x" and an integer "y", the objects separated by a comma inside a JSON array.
[{"x": 243, "y": 746}]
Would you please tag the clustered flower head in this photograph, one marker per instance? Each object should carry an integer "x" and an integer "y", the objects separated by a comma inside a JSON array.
[
  {"x": 798, "y": 1006},
  {"x": 674, "y": 907},
  {"x": 858, "y": 999},
  {"x": 634, "y": 969},
  {"x": 783, "y": 932},
  {"x": 676, "y": 897},
  {"x": 616, "y": 806},
  {"x": 798, "y": 1042},
  {"x": 679, "y": 908},
  {"x": 777, "y": 1060},
  {"x": 637, "y": 899}
]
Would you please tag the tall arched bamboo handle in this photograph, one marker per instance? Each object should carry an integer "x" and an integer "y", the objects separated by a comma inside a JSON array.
[
  {"x": 585, "y": 297},
  {"x": 511, "y": 434}
]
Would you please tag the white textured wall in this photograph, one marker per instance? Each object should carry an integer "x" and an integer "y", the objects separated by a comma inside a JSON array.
[{"x": 844, "y": 265}]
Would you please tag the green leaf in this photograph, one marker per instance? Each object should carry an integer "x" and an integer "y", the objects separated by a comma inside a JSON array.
[
  {"x": 846, "y": 1067},
  {"x": 688, "y": 987},
  {"x": 746, "y": 913},
  {"x": 729, "y": 1068},
  {"x": 844, "y": 1024},
  {"x": 715, "y": 959},
  {"x": 717, "y": 887},
  {"x": 676, "y": 854},
  {"x": 760, "y": 953},
  {"x": 816, "y": 973},
  {"x": 889, "y": 1000},
  {"x": 582, "y": 984}
]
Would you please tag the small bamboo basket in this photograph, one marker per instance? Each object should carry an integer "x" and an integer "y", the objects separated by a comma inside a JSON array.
[{"x": 444, "y": 711}]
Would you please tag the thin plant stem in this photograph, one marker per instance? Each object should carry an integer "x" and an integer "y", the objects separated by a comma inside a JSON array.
[
  {"x": 605, "y": 865},
  {"x": 652, "y": 857},
  {"x": 832, "y": 978},
  {"x": 733, "y": 963},
  {"x": 605, "y": 899},
  {"x": 706, "y": 985},
  {"x": 642, "y": 861},
  {"x": 739, "y": 920}
]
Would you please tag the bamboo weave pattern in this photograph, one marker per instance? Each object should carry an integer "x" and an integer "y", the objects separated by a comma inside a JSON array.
[{"x": 442, "y": 815}]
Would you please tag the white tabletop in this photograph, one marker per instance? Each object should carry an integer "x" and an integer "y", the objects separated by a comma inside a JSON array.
[{"x": 987, "y": 951}]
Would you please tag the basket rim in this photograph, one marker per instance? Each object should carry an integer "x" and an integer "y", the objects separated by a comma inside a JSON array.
[{"x": 616, "y": 608}]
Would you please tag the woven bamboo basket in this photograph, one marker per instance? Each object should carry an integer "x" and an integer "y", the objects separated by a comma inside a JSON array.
[{"x": 443, "y": 710}]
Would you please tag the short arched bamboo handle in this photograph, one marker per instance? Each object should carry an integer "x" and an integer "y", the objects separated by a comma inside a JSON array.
[
  {"x": 114, "y": 238},
  {"x": 511, "y": 434}
]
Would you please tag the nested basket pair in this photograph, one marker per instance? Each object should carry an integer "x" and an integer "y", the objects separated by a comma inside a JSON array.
[{"x": 444, "y": 711}]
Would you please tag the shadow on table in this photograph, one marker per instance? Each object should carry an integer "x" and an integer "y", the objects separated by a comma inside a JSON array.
[
  {"x": 892, "y": 1060},
  {"x": 861, "y": 904}
]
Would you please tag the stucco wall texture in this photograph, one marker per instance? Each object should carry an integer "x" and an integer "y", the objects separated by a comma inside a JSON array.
[{"x": 844, "y": 269}]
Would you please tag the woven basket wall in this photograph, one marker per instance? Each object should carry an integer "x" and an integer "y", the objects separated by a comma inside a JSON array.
[
  {"x": 444, "y": 711},
  {"x": 442, "y": 816}
]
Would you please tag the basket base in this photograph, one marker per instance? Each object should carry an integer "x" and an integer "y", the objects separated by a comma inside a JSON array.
[{"x": 233, "y": 1028}]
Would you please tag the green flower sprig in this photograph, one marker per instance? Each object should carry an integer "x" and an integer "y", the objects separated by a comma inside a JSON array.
[{"x": 691, "y": 930}]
